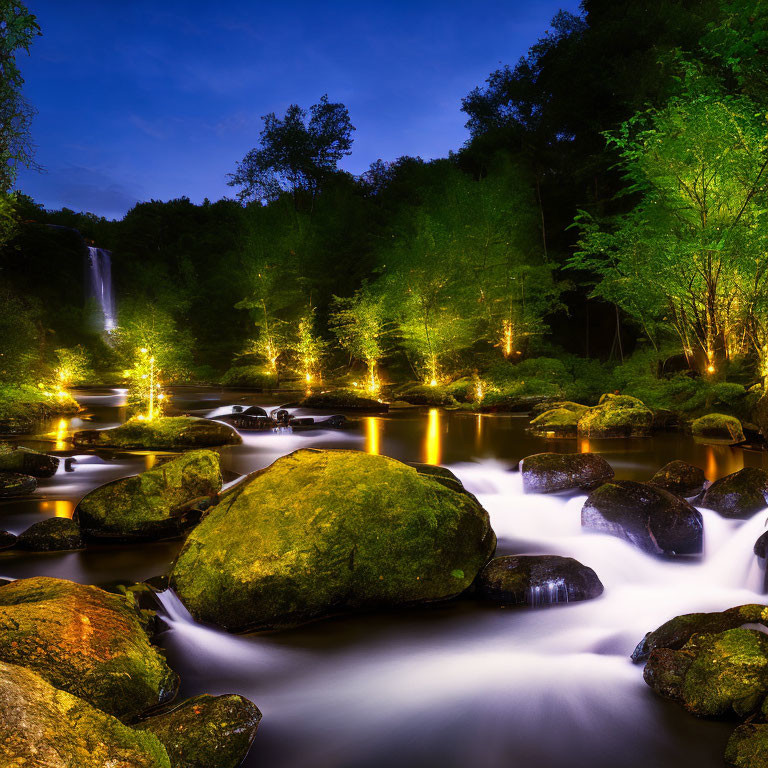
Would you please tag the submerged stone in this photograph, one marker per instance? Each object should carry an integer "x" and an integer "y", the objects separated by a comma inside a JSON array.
[
  {"x": 206, "y": 731},
  {"x": 167, "y": 433},
  {"x": 7, "y": 539},
  {"x": 561, "y": 421},
  {"x": 680, "y": 478},
  {"x": 652, "y": 519},
  {"x": 85, "y": 641},
  {"x": 675, "y": 633},
  {"x": 51, "y": 535},
  {"x": 14, "y": 484},
  {"x": 42, "y": 726},
  {"x": 739, "y": 495},
  {"x": 713, "y": 675},
  {"x": 748, "y": 746},
  {"x": 718, "y": 428},
  {"x": 14, "y": 458},
  {"x": 343, "y": 400},
  {"x": 320, "y": 532},
  {"x": 537, "y": 580},
  {"x": 162, "y": 501},
  {"x": 549, "y": 472},
  {"x": 616, "y": 416}
]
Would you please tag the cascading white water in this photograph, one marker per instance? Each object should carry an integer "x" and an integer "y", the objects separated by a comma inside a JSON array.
[{"x": 100, "y": 287}]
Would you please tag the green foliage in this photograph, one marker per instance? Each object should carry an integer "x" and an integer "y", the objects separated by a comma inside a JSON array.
[{"x": 256, "y": 376}]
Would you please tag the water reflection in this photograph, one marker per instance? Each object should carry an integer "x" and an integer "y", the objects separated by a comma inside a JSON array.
[
  {"x": 432, "y": 446},
  {"x": 58, "y": 508},
  {"x": 372, "y": 435},
  {"x": 61, "y": 435}
]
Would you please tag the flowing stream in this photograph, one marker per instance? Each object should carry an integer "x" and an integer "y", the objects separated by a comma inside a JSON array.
[{"x": 458, "y": 684}]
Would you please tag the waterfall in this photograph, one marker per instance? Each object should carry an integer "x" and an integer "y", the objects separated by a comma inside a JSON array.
[{"x": 100, "y": 287}]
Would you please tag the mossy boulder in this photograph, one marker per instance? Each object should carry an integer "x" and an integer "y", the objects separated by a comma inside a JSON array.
[
  {"x": 7, "y": 539},
  {"x": 680, "y": 478},
  {"x": 675, "y": 633},
  {"x": 423, "y": 394},
  {"x": 616, "y": 416},
  {"x": 549, "y": 472},
  {"x": 44, "y": 727},
  {"x": 165, "y": 434},
  {"x": 14, "y": 458},
  {"x": 761, "y": 415},
  {"x": 206, "y": 731},
  {"x": 560, "y": 421},
  {"x": 739, "y": 495},
  {"x": 718, "y": 428},
  {"x": 537, "y": 580},
  {"x": 650, "y": 518},
  {"x": 13, "y": 484},
  {"x": 748, "y": 746},
  {"x": 713, "y": 675},
  {"x": 441, "y": 474},
  {"x": 55, "y": 534},
  {"x": 551, "y": 404},
  {"x": 343, "y": 400},
  {"x": 504, "y": 402},
  {"x": 160, "y": 502},
  {"x": 85, "y": 641},
  {"x": 320, "y": 532}
]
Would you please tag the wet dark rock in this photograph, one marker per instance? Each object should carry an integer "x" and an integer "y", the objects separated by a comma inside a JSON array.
[
  {"x": 26, "y": 462},
  {"x": 761, "y": 415},
  {"x": 7, "y": 539},
  {"x": 52, "y": 535},
  {"x": 537, "y": 580},
  {"x": 163, "y": 501},
  {"x": 14, "y": 484},
  {"x": 675, "y": 633},
  {"x": 206, "y": 731},
  {"x": 549, "y": 472},
  {"x": 739, "y": 495},
  {"x": 713, "y": 675},
  {"x": 167, "y": 433},
  {"x": 85, "y": 641},
  {"x": 748, "y": 746},
  {"x": 650, "y": 518},
  {"x": 617, "y": 416},
  {"x": 319, "y": 532},
  {"x": 680, "y": 478},
  {"x": 44, "y": 727},
  {"x": 343, "y": 400},
  {"x": 718, "y": 428},
  {"x": 761, "y": 546}
]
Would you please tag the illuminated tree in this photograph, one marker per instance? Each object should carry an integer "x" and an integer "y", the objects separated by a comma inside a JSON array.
[
  {"x": 73, "y": 366},
  {"x": 308, "y": 348},
  {"x": 146, "y": 398}
]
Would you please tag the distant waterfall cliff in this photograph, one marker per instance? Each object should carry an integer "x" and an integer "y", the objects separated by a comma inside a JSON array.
[{"x": 100, "y": 288}]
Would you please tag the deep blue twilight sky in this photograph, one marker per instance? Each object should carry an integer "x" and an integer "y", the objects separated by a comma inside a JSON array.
[{"x": 157, "y": 99}]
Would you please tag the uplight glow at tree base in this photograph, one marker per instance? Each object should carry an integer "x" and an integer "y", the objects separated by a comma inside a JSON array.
[{"x": 146, "y": 399}]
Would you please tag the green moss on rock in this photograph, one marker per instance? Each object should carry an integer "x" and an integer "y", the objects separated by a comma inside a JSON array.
[
  {"x": 748, "y": 746},
  {"x": 561, "y": 421},
  {"x": 56, "y": 534},
  {"x": 14, "y": 458},
  {"x": 85, "y": 641},
  {"x": 616, "y": 416},
  {"x": 42, "y": 726},
  {"x": 160, "y": 502},
  {"x": 319, "y": 532},
  {"x": 738, "y": 495},
  {"x": 423, "y": 394},
  {"x": 168, "y": 433},
  {"x": 14, "y": 484},
  {"x": 718, "y": 428},
  {"x": 343, "y": 400},
  {"x": 206, "y": 731},
  {"x": 680, "y": 478}
]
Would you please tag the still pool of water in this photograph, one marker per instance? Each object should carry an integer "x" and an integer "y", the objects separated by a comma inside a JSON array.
[{"x": 457, "y": 685}]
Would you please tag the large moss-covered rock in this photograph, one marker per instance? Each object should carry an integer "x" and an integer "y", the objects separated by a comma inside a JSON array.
[
  {"x": 748, "y": 747},
  {"x": 616, "y": 416},
  {"x": 718, "y": 428},
  {"x": 44, "y": 727},
  {"x": 652, "y": 519},
  {"x": 548, "y": 472},
  {"x": 14, "y": 458},
  {"x": 85, "y": 641},
  {"x": 319, "y": 532},
  {"x": 14, "y": 484},
  {"x": 761, "y": 415},
  {"x": 713, "y": 675},
  {"x": 206, "y": 731},
  {"x": 676, "y": 632},
  {"x": 739, "y": 495},
  {"x": 537, "y": 580},
  {"x": 168, "y": 433},
  {"x": 561, "y": 422},
  {"x": 553, "y": 404},
  {"x": 423, "y": 394},
  {"x": 162, "y": 501},
  {"x": 343, "y": 400},
  {"x": 680, "y": 478},
  {"x": 55, "y": 534}
]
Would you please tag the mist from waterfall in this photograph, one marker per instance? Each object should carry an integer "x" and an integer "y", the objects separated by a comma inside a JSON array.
[{"x": 100, "y": 287}]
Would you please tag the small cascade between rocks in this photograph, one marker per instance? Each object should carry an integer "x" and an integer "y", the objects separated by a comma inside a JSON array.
[{"x": 100, "y": 289}]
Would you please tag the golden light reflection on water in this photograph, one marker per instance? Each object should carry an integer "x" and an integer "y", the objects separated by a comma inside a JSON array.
[
  {"x": 61, "y": 435},
  {"x": 478, "y": 432},
  {"x": 432, "y": 445},
  {"x": 61, "y": 508},
  {"x": 584, "y": 445},
  {"x": 150, "y": 460},
  {"x": 372, "y": 435},
  {"x": 721, "y": 460}
]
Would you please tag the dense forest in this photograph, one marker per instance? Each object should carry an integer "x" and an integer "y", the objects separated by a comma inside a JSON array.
[{"x": 603, "y": 227}]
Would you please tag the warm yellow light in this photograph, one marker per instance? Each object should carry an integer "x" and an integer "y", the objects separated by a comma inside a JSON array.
[
  {"x": 433, "y": 383},
  {"x": 507, "y": 338},
  {"x": 372, "y": 435},
  {"x": 710, "y": 368},
  {"x": 479, "y": 391},
  {"x": 308, "y": 377},
  {"x": 432, "y": 445},
  {"x": 144, "y": 350},
  {"x": 141, "y": 417}
]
